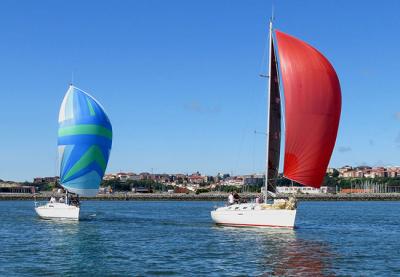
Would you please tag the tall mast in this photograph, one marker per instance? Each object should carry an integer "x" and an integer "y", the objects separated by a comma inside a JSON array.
[{"x": 268, "y": 111}]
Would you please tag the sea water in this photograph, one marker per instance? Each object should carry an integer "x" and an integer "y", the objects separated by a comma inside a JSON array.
[{"x": 149, "y": 238}]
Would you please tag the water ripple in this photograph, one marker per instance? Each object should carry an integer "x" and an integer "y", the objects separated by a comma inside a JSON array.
[{"x": 178, "y": 239}]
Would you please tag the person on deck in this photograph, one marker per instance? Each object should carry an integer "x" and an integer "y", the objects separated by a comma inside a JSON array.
[
  {"x": 236, "y": 197},
  {"x": 52, "y": 199},
  {"x": 74, "y": 201},
  {"x": 231, "y": 199}
]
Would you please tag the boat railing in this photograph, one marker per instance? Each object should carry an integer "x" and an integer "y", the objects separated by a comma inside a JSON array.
[{"x": 40, "y": 203}]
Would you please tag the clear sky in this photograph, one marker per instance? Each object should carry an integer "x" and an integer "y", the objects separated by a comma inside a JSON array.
[{"x": 179, "y": 79}]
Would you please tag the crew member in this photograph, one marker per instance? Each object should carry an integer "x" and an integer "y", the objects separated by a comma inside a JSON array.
[
  {"x": 236, "y": 197},
  {"x": 231, "y": 199}
]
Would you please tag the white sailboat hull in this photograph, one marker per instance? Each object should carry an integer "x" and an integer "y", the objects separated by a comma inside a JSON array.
[
  {"x": 58, "y": 211},
  {"x": 254, "y": 215}
]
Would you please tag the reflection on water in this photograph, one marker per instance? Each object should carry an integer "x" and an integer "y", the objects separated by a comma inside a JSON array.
[
  {"x": 77, "y": 242},
  {"x": 301, "y": 258},
  {"x": 283, "y": 253}
]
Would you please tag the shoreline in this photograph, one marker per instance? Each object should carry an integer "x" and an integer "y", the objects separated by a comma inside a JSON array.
[{"x": 205, "y": 197}]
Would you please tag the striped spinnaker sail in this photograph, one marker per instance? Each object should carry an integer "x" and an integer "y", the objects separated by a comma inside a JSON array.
[{"x": 84, "y": 142}]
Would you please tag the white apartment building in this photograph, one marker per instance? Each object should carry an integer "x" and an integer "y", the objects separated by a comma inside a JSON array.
[{"x": 305, "y": 190}]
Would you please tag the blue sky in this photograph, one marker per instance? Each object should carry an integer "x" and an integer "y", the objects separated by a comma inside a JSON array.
[{"x": 179, "y": 79}]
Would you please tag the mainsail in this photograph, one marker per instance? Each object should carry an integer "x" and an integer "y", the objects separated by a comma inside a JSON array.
[
  {"x": 274, "y": 132},
  {"x": 312, "y": 110},
  {"x": 84, "y": 142}
]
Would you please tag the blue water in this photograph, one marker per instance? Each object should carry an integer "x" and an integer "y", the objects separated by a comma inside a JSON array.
[{"x": 138, "y": 238}]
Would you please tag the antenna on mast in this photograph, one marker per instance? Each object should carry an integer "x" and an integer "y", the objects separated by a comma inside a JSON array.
[
  {"x": 72, "y": 78},
  {"x": 272, "y": 14},
  {"x": 271, "y": 20}
]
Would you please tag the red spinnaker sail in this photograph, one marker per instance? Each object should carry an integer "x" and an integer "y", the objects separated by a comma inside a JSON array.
[{"x": 312, "y": 110}]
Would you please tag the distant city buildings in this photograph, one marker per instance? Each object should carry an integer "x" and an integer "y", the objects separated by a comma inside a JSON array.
[
  {"x": 196, "y": 180},
  {"x": 193, "y": 180},
  {"x": 45, "y": 180},
  {"x": 185, "y": 183},
  {"x": 11, "y": 187},
  {"x": 366, "y": 171}
]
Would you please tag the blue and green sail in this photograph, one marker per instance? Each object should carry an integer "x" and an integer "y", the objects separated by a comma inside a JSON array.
[{"x": 84, "y": 142}]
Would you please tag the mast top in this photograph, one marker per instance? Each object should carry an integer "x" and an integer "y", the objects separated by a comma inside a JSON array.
[
  {"x": 271, "y": 20},
  {"x": 272, "y": 15}
]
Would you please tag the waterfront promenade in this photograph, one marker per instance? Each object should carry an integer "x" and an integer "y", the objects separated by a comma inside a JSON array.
[{"x": 207, "y": 196}]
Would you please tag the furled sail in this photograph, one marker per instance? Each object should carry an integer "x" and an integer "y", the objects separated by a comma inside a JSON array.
[
  {"x": 84, "y": 142},
  {"x": 312, "y": 110},
  {"x": 274, "y": 131}
]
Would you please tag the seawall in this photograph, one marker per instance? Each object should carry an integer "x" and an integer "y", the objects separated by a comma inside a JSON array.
[{"x": 207, "y": 196}]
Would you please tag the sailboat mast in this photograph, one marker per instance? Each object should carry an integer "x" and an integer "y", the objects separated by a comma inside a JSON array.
[{"x": 268, "y": 113}]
